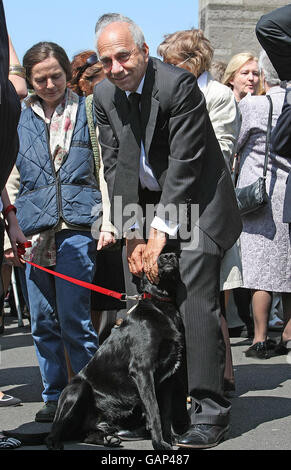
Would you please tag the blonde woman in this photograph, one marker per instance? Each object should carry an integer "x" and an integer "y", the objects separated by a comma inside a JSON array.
[{"x": 242, "y": 75}]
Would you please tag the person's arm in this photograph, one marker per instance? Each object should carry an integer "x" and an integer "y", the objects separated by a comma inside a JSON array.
[
  {"x": 247, "y": 115},
  {"x": 187, "y": 139},
  {"x": 14, "y": 232},
  {"x": 16, "y": 73},
  {"x": 281, "y": 135},
  {"x": 187, "y": 126},
  {"x": 107, "y": 230},
  {"x": 225, "y": 118}
]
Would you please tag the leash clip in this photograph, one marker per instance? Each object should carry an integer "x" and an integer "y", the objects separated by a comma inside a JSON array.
[{"x": 126, "y": 297}]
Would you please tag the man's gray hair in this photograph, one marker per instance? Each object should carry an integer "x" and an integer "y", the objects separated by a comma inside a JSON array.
[
  {"x": 265, "y": 66},
  {"x": 109, "y": 18}
]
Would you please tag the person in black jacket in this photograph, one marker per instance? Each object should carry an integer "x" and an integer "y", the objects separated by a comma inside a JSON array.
[
  {"x": 274, "y": 33},
  {"x": 9, "y": 116},
  {"x": 168, "y": 155},
  {"x": 9, "y": 109}
]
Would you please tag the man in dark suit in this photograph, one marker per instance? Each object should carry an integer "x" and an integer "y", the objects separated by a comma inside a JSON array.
[
  {"x": 274, "y": 33},
  {"x": 164, "y": 152}
]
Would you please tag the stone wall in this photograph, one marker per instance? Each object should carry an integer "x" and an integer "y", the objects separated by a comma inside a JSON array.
[{"x": 230, "y": 25}]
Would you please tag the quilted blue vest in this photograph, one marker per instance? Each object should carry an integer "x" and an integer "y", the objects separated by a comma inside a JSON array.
[{"x": 46, "y": 196}]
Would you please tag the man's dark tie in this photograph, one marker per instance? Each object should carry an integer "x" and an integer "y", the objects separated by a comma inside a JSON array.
[{"x": 127, "y": 169}]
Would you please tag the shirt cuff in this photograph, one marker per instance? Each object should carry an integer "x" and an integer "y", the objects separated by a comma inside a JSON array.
[{"x": 166, "y": 226}]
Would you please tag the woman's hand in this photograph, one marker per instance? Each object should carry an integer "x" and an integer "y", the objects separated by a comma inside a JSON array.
[
  {"x": 16, "y": 236},
  {"x": 106, "y": 239}
]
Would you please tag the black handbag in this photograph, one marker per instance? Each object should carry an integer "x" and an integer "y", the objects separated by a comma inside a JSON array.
[{"x": 253, "y": 197}]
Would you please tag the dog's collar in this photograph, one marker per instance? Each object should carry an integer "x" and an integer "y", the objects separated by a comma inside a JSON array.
[{"x": 147, "y": 295}]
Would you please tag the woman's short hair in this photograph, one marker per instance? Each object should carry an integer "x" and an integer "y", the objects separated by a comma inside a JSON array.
[
  {"x": 42, "y": 51},
  {"x": 109, "y": 18},
  {"x": 235, "y": 63},
  {"x": 190, "y": 46},
  {"x": 78, "y": 62},
  {"x": 265, "y": 66}
]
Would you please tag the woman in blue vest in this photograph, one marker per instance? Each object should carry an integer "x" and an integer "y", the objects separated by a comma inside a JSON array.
[{"x": 58, "y": 201}]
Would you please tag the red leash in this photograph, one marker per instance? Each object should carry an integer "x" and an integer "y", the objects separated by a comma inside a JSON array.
[
  {"x": 21, "y": 251},
  {"x": 102, "y": 290}
]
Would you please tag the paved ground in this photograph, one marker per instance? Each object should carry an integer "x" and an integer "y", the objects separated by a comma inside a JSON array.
[{"x": 261, "y": 405}]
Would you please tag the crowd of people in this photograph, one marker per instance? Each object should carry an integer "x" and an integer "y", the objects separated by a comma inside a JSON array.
[{"x": 200, "y": 128}]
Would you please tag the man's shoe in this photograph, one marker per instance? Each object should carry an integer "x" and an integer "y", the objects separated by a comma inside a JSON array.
[
  {"x": 202, "y": 436},
  {"x": 138, "y": 434},
  {"x": 47, "y": 413}
]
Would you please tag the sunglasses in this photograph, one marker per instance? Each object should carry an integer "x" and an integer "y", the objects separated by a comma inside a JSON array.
[{"x": 92, "y": 60}]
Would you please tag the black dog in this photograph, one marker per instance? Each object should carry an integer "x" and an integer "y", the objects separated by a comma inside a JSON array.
[{"x": 132, "y": 372}]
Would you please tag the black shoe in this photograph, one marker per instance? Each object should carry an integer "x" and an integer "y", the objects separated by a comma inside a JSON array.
[
  {"x": 261, "y": 349},
  {"x": 8, "y": 400},
  {"x": 202, "y": 436},
  {"x": 47, "y": 413},
  {"x": 138, "y": 434}
]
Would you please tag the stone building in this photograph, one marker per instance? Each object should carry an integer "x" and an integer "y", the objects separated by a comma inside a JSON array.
[{"x": 230, "y": 24}]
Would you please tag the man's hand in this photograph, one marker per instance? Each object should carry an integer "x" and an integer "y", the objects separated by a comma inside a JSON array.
[
  {"x": 156, "y": 242},
  {"x": 134, "y": 250}
]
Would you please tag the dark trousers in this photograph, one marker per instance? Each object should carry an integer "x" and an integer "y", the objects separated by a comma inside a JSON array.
[{"x": 199, "y": 303}]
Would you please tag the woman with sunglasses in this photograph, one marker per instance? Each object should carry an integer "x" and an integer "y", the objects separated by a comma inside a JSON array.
[
  {"x": 87, "y": 71},
  {"x": 58, "y": 201}
]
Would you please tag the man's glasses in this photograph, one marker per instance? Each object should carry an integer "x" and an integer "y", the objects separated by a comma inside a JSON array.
[{"x": 121, "y": 58}]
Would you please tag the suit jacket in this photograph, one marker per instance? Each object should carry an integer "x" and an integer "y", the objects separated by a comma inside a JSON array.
[
  {"x": 281, "y": 141},
  {"x": 274, "y": 33},
  {"x": 9, "y": 108},
  {"x": 180, "y": 144},
  {"x": 224, "y": 115}
]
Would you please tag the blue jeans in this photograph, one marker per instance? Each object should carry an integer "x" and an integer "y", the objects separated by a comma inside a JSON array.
[{"x": 61, "y": 311}]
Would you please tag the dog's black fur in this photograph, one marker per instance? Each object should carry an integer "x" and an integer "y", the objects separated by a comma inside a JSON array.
[{"x": 133, "y": 371}]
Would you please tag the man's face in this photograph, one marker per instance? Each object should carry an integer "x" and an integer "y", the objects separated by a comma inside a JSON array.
[{"x": 124, "y": 63}]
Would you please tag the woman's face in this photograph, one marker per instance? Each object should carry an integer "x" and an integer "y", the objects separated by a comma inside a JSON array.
[
  {"x": 49, "y": 81},
  {"x": 246, "y": 80}
]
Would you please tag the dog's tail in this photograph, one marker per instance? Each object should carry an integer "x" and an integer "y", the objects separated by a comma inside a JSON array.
[{"x": 74, "y": 404}]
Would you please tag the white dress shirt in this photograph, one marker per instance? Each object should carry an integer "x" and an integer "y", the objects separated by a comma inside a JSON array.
[{"x": 148, "y": 181}]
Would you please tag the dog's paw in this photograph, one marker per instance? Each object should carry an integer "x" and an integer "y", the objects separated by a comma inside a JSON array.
[
  {"x": 112, "y": 441},
  {"x": 98, "y": 438},
  {"x": 53, "y": 444},
  {"x": 161, "y": 445}
]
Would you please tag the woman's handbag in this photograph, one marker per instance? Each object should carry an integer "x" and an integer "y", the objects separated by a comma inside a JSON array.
[{"x": 254, "y": 196}]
